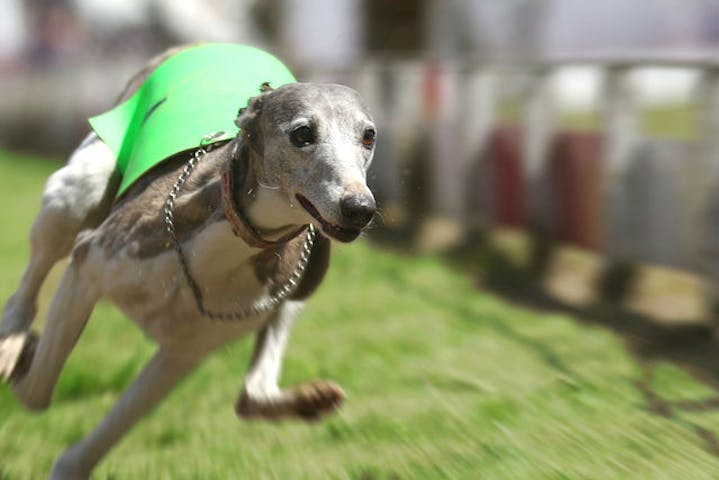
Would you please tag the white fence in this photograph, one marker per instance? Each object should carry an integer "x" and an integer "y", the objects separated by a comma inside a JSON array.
[
  {"x": 640, "y": 198},
  {"x": 637, "y": 199}
]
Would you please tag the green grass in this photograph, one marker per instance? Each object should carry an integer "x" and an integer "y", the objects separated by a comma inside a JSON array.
[
  {"x": 444, "y": 381},
  {"x": 675, "y": 122}
]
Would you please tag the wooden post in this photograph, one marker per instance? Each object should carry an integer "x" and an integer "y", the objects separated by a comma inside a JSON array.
[
  {"x": 407, "y": 113},
  {"x": 539, "y": 125},
  {"x": 538, "y": 129},
  {"x": 707, "y": 252},
  {"x": 708, "y": 94},
  {"x": 405, "y": 120},
  {"x": 477, "y": 110},
  {"x": 445, "y": 226},
  {"x": 446, "y": 161},
  {"x": 621, "y": 136}
]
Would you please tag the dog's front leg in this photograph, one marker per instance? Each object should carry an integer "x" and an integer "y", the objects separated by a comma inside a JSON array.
[{"x": 261, "y": 396}]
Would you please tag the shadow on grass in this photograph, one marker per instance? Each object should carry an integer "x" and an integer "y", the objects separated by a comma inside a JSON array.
[
  {"x": 85, "y": 382},
  {"x": 690, "y": 346},
  {"x": 505, "y": 277},
  {"x": 657, "y": 405}
]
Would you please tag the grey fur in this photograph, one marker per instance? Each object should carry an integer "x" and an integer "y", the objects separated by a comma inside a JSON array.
[{"x": 122, "y": 252}]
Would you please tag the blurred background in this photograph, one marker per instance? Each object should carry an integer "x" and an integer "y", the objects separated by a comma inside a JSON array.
[
  {"x": 561, "y": 157},
  {"x": 589, "y": 124}
]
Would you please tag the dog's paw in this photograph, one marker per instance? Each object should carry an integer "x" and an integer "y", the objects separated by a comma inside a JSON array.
[
  {"x": 316, "y": 399},
  {"x": 16, "y": 352},
  {"x": 309, "y": 401}
]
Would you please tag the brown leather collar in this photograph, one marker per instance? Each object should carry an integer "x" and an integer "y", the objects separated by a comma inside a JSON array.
[{"x": 239, "y": 222}]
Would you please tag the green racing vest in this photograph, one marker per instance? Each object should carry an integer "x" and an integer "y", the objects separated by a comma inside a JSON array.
[{"x": 194, "y": 93}]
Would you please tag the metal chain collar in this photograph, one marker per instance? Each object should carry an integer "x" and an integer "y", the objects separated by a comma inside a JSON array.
[{"x": 262, "y": 304}]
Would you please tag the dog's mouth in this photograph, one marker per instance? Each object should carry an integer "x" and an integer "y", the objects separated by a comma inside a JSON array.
[{"x": 330, "y": 229}]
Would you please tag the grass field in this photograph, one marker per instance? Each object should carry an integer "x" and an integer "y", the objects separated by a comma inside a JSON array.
[{"x": 444, "y": 381}]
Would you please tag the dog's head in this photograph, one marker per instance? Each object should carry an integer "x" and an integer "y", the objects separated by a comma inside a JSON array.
[{"x": 314, "y": 143}]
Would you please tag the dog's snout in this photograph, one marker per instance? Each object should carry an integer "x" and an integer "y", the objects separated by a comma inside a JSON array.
[{"x": 357, "y": 210}]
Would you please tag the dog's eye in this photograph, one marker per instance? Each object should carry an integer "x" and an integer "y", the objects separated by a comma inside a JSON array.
[
  {"x": 302, "y": 136},
  {"x": 368, "y": 138}
]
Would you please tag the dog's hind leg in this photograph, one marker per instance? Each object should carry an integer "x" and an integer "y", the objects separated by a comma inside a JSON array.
[
  {"x": 76, "y": 197},
  {"x": 261, "y": 396},
  {"x": 35, "y": 375},
  {"x": 157, "y": 379}
]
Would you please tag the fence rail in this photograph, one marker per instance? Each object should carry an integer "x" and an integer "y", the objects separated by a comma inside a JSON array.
[
  {"x": 627, "y": 195},
  {"x": 483, "y": 145}
]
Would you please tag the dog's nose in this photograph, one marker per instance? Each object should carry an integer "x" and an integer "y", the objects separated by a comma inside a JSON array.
[{"x": 357, "y": 210}]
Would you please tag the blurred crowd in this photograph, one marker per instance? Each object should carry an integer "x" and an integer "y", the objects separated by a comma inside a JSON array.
[
  {"x": 451, "y": 83},
  {"x": 327, "y": 33},
  {"x": 62, "y": 59}
]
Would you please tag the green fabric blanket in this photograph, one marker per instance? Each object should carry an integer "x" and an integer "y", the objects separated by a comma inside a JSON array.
[{"x": 192, "y": 94}]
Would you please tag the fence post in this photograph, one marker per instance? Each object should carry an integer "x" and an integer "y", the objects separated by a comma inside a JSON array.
[
  {"x": 477, "y": 110},
  {"x": 707, "y": 259},
  {"x": 445, "y": 226},
  {"x": 539, "y": 125},
  {"x": 406, "y": 121},
  {"x": 621, "y": 137},
  {"x": 447, "y": 167}
]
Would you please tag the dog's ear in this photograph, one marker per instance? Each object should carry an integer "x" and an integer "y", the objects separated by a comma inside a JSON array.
[{"x": 248, "y": 119}]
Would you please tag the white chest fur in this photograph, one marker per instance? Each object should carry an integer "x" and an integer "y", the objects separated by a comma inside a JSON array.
[{"x": 154, "y": 291}]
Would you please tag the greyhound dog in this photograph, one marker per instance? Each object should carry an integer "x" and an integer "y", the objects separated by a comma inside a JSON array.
[{"x": 201, "y": 250}]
